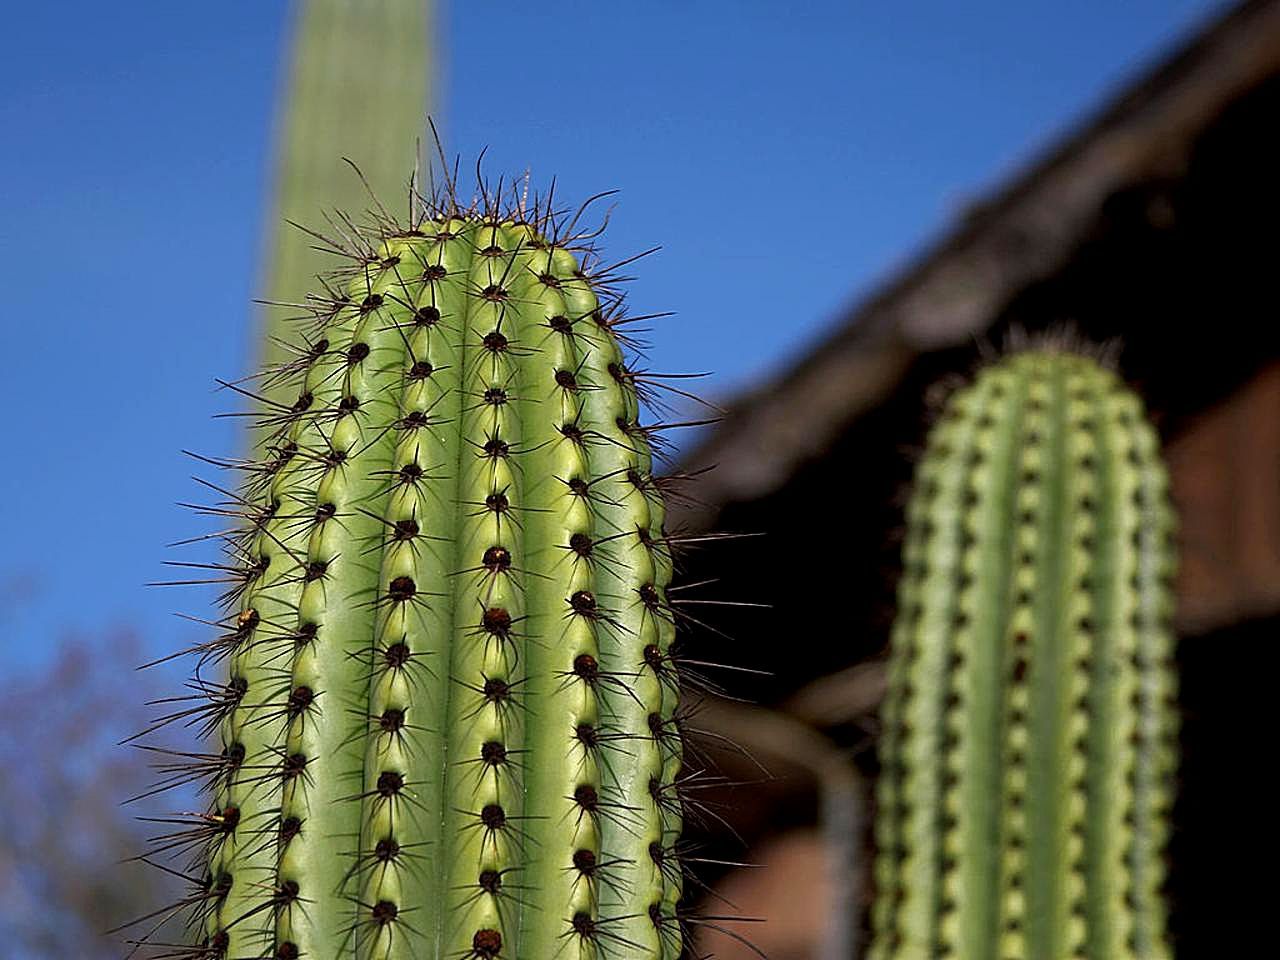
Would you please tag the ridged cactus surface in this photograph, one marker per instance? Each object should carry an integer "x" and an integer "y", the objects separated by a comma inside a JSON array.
[
  {"x": 447, "y": 720},
  {"x": 1029, "y": 734}
]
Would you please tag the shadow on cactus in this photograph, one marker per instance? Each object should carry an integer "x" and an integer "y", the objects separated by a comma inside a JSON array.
[
  {"x": 1029, "y": 731},
  {"x": 447, "y": 715}
]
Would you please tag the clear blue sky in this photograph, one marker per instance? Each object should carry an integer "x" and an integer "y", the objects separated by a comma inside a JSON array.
[{"x": 786, "y": 162}]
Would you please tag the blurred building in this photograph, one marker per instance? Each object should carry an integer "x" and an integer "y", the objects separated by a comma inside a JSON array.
[{"x": 1153, "y": 226}]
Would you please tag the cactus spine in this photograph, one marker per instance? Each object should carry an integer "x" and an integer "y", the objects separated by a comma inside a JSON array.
[
  {"x": 1029, "y": 732},
  {"x": 448, "y": 727}
]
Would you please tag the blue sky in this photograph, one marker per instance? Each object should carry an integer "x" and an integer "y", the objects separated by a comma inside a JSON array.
[{"x": 785, "y": 163}]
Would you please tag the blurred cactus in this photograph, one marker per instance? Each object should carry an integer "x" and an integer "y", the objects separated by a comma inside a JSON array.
[
  {"x": 359, "y": 85},
  {"x": 1029, "y": 732}
]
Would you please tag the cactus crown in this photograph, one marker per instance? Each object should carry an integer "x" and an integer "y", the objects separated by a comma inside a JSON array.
[
  {"x": 1029, "y": 730},
  {"x": 447, "y": 725}
]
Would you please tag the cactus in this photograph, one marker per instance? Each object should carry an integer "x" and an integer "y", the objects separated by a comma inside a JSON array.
[
  {"x": 447, "y": 726},
  {"x": 360, "y": 77},
  {"x": 1029, "y": 733}
]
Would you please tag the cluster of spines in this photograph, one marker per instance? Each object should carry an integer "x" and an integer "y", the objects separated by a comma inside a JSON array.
[
  {"x": 450, "y": 722},
  {"x": 1028, "y": 742}
]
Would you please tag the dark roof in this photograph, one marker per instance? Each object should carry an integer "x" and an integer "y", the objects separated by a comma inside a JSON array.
[{"x": 1023, "y": 233}]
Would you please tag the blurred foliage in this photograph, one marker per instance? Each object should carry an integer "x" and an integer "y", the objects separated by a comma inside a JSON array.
[{"x": 63, "y": 779}]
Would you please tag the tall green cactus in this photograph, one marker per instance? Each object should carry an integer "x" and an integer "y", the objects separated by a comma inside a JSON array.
[
  {"x": 448, "y": 722},
  {"x": 1029, "y": 733}
]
